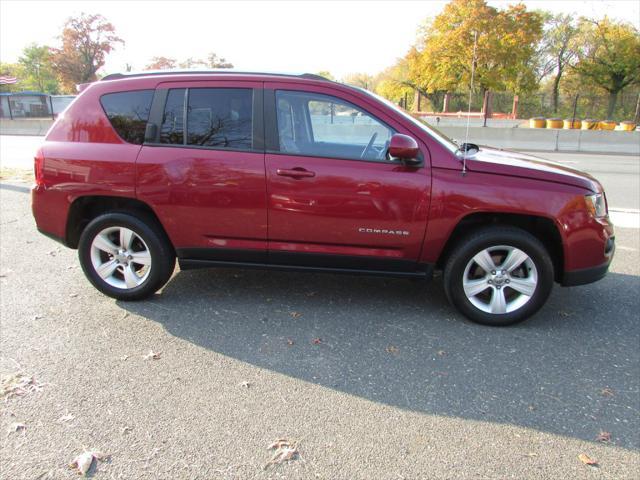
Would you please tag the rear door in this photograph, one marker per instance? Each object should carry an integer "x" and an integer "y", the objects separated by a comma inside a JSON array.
[
  {"x": 202, "y": 169},
  {"x": 334, "y": 198}
]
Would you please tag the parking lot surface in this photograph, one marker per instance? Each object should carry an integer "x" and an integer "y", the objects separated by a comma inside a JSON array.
[{"x": 372, "y": 378}]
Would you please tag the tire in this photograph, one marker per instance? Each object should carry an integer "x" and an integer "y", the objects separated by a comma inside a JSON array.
[
  {"x": 121, "y": 277},
  {"x": 520, "y": 286}
]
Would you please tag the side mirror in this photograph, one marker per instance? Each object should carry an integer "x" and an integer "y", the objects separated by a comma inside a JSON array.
[{"x": 405, "y": 148}]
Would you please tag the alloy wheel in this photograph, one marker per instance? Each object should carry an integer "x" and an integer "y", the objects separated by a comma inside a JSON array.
[
  {"x": 121, "y": 257},
  {"x": 500, "y": 279}
]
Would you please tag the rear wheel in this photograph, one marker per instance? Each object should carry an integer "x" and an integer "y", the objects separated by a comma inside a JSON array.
[
  {"x": 125, "y": 256},
  {"x": 499, "y": 276}
]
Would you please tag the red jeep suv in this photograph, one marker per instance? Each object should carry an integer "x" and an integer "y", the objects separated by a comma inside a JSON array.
[{"x": 295, "y": 172}]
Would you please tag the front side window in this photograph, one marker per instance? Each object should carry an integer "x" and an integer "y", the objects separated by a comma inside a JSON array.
[
  {"x": 220, "y": 117},
  {"x": 128, "y": 113},
  {"x": 325, "y": 126}
]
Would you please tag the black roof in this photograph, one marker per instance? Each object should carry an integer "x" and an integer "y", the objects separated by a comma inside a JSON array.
[{"x": 116, "y": 76}]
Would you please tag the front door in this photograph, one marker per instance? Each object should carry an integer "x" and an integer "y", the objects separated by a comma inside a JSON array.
[{"x": 334, "y": 199}]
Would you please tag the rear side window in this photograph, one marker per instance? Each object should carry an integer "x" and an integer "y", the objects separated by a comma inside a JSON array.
[
  {"x": 172, "y": 130},
  {"x": 215, "y": 117},
  {"x": 128, "y": 113},
  {"x": 220, "y": 117}
]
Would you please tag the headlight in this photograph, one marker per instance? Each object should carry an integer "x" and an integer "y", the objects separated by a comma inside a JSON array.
[{"x": 596, "y": 204}]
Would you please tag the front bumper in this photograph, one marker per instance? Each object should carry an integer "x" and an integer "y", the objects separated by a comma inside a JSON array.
[{"x": 592, "y": 274}]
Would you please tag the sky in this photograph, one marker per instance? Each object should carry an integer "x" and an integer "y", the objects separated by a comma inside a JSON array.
[{"x": 291, "y": 36}]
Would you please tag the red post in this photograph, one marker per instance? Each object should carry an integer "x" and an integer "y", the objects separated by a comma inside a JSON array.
[{"x": 485, "y": 107}]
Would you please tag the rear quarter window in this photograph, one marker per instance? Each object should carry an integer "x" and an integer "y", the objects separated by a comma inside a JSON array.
[{"x": 128, "y": 113}]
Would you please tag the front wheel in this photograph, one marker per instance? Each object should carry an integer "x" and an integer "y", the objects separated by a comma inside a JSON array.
[
  {"x": 499, "y": 276},
  {"x": 125, "y": 256}
]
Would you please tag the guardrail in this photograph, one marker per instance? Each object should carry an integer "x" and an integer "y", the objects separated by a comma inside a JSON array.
[{"x": 550, "y": 140}]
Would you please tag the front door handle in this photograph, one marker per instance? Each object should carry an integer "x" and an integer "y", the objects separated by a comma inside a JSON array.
[{"x": 296, "y": 172}]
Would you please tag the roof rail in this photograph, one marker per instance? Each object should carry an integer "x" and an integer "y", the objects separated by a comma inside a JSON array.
[{"x": 117, "y": 76}]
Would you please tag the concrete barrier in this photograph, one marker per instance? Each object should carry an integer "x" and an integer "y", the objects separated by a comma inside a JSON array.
[
  {"x": 547, "y": 140},
  {"x": 550, "y": 140},
  {"x": 25, "y": 126}
]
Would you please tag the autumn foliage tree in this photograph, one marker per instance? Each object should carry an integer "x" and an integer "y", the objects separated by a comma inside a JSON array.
[
  {"x": 37, "y": 69},
  {"x": 558, "y": 50},
  {"x": 441, "y": 61},
  {"x": 166, "y": 63},
  {"x": 161, "y": 63},
  {"x": 609, "y": 57},
  {"x": 86, "y": 42}
]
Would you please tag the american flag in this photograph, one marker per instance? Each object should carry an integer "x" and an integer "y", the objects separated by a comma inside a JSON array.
[{"x": 7, "y": 80}]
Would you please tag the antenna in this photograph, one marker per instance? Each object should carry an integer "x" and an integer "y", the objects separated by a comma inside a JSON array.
[{"x": 465, "y": 145}]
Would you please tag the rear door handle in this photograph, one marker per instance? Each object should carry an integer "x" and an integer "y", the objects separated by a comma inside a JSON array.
[{"x": 296, "y": 172}]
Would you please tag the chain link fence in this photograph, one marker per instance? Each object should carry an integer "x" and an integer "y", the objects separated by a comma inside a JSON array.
[{"x": 540, "y": 105}]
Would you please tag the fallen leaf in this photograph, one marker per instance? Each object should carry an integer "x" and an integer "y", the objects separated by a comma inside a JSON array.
[
  {"x": 316, "y": 341},
  {"x": 603, "y": 436},
  {"x": 245, "y": 384},
  {"x": 285, "y": 451},
  {"x": 98, "y": 455},
  {"x": 564, "y": 313},
  {"x": 278, "y": 444},
  {"x": 152, "y": 355},
  {"x": 38, "y": 317},
  {"x": 66, "y": 418},
  {"x": 532, "y": 408},
  {"x": 531, "y": 455},
  {"x": 295, "y": 314},
  {"x": 289, "y": 342},
  {"x": 606, "y": 392},
  {"x": 17, "y": 385},
  {"x": 82, "y": 463},
  {"x": 125, "y": 315},
  {"x": 391, "y": 349},
  {"x": 441, "y": 353},
  {"x": 73, "y": 295},
  {"x": 126, "y": 430},
  {"x": 16, "y": 427},
  {"x": 587, "y": 460}
]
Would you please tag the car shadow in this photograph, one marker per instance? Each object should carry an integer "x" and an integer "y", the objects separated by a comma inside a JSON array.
[{"x": 570, "y": 370}]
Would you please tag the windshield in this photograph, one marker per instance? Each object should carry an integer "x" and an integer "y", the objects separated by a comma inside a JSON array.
[{"x": 432, "y": 131}]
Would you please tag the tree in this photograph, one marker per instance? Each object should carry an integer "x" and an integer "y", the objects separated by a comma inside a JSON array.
[
  {"x": 557, "y": 51},
  {"x": 161, "y": 63},
  {"x": 326, "y": 74},
  {"x": 441, "y": 60},
  {"x": 609, "y": 57},
  {"x": 192, "y": 63},
  {"x": 213, "y": 61},
  {"x": 362, "y": 80},
  {"x": 37, "y": 69},
  {"x": 392, "y": 84},
  {"x": 12, "y": 70},
  {"x": 86, "y": 41}
]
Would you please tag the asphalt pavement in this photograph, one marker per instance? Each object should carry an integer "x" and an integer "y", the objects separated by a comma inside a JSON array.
[{"x": 373, "y": 378}]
